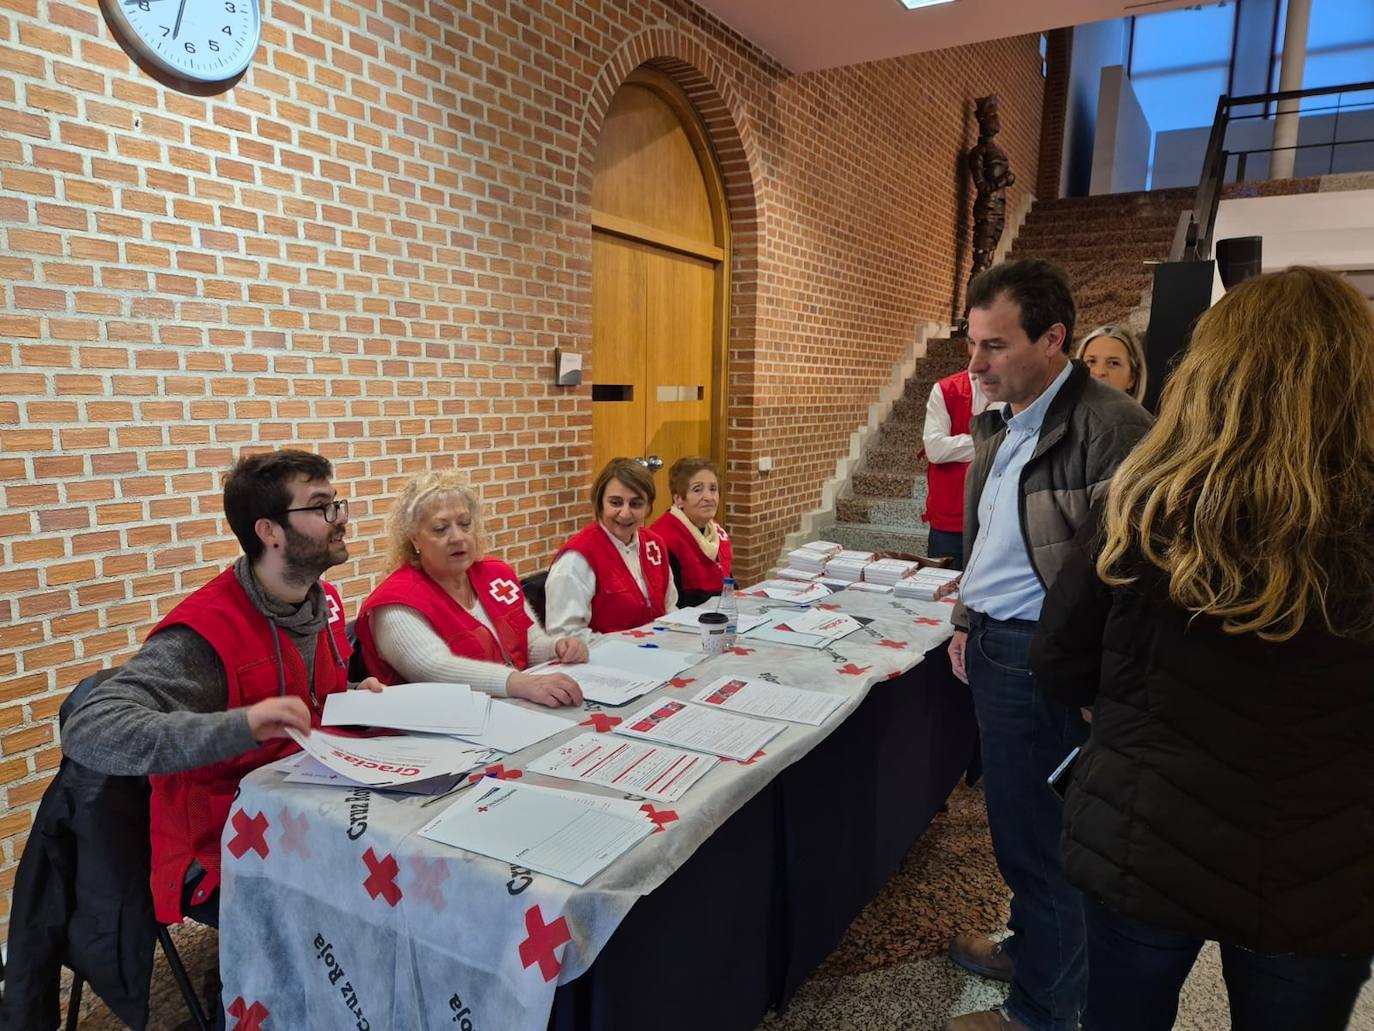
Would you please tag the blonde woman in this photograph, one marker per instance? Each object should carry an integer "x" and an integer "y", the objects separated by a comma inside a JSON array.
[
  {"x": 1116, "y": 356},
  {"x": 1220, "y": 624},
  {"x": 448, "y": 614}
]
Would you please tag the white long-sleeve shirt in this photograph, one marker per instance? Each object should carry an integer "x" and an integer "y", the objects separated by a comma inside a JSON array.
[
  {"x": 941, "y": 445},
  {"x": 571, "y": 585}
]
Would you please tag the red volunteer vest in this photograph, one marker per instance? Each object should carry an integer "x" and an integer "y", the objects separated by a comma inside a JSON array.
[
  {"x": 498, "y": 592},
  {"x": 945, "y": 480},
  {"x": 188, "y": 810},
  {"x": 619, "y": 603},
  {"x": 699, "y": 573}
]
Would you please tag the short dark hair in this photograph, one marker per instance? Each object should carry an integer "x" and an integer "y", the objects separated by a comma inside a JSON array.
[
  {"x": 680, "y": 475},
  {"x": 628, "y": 472},
  {"x": 1040, "y": 289},
  {"x": 258, "y": 487}
]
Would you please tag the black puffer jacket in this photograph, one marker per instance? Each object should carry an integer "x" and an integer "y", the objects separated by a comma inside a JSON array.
[{"x": 1228, "y": 787}]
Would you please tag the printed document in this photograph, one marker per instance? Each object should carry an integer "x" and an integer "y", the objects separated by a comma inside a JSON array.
[
  {"x": 663, "y": 774},
  {"x": 699, "y": 728},
  {"x": 794, "y": 591},
  {"x": 389, "y": 761},
  {"x": 511, "y": 727},
  {"x": 762, "y": 698},
  {"x": 421, "y": 708}
]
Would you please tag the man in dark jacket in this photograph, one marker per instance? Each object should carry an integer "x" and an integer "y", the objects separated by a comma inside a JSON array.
[{"x": 1038, "y": 465}]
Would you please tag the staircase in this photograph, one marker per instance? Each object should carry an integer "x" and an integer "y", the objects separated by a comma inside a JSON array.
[{"x": 1103, "y": 243}]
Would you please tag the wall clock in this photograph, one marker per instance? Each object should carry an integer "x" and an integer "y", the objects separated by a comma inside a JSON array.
[{"x": 197, "y": 40}]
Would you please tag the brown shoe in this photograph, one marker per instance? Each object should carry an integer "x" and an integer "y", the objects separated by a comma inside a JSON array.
[
  {"x": 986, "y": 1020},
  {"x": 981, "y": 956}
]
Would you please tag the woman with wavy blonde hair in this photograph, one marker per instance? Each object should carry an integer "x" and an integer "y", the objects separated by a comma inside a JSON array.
[
  {"x": 1219, "y": 621},
  {"x": 447, "y": 613}
]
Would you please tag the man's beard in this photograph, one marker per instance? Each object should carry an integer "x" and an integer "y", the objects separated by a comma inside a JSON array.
[{"x": 306, "y": 559}]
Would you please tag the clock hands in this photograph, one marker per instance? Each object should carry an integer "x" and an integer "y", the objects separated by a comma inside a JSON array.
[{"x": 177, "y": 27}]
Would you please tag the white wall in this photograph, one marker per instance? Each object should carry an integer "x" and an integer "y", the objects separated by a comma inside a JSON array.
[
  {"x": 1095, "y": 46},
  {"x": 1121, "y": 149},
  {"x": 1330, "y": 230}
]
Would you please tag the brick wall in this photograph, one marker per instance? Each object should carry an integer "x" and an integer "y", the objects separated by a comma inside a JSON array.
[
  {"x": 371, "y": 247},
  {"x": 1058, "y": 58}
]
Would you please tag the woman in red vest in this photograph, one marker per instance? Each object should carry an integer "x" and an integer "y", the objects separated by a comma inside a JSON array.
[
  {"x": 447, "y": 614},
  {"x": 613, "y": 574},
  {"x": 699, "y": 550}
]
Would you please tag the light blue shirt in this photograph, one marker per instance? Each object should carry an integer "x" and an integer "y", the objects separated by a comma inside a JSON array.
[{"x": 1000, "y": 581}]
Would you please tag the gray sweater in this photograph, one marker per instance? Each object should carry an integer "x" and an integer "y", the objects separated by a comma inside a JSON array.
[{"x": 165, "y": 710}]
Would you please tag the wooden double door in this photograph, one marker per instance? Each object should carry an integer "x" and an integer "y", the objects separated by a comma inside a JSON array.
[{"x": 659, "y": 268}]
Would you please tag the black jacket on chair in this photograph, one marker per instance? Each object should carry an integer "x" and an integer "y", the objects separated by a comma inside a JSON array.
[
  {"x": 81, "y": 899},
  {"x": 1228, "y": 787}
]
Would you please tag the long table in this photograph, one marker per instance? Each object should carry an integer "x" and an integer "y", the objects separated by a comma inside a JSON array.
[{"x": 335, "y": 914}]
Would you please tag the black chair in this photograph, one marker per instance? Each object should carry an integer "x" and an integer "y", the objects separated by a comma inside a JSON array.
[
  {"x": 533, "y": 586},
  {"x": 90, "y": 829}
]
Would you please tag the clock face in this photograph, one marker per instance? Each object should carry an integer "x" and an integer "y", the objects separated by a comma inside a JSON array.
[{"x": 202, "y": 40}]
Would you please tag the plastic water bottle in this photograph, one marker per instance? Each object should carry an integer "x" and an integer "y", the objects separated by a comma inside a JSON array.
[{"x": 729, "y": 604}]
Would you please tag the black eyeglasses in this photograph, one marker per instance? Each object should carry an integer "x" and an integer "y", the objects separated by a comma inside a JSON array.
[{"x": 331, "y": 510}]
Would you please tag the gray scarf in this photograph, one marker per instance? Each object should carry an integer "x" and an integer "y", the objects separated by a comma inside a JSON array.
[{"x": 302, "y": 622}]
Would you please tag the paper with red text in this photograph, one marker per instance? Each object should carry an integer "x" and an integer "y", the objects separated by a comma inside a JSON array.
[{"x": 650, "y": 771}]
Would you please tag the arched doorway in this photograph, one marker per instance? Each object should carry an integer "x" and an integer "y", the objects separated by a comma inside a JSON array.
[{"x": 660, "y": 262}]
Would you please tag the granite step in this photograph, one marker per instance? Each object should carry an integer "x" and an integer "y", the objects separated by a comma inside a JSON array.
[
  {"x": 1104, "y": 253},
  {"x": 894, "y": 456},
  {"x": 899, "y": 512},
  {"x": 868, "y": 483},
  {"x": 1056, "y": 237},
  {"x": 862, "y": 537},
  {"x": 1179, "y": 197}
]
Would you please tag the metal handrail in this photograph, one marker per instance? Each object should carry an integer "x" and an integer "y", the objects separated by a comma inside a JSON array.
[{"x": 1193, "y": 235}]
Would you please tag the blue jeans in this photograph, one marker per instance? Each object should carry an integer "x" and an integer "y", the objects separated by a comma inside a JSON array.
[
  {"x": 943, "y": 544},
  {"x": 1024, "y": 737},
  {"x": 1138, "y": 970}
]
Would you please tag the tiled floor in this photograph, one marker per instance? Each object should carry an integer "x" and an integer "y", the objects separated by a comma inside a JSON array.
[{"x": 889, "y": 973}]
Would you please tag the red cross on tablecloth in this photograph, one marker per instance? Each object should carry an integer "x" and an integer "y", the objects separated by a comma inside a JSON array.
[
  {"x": 381, "y": 877},
  {"x": 738, "y": 650},
  {"x": 498, "y": 771},
  {"x": 681, "y": 681},
  {"x": 892, "y": 644},
  {"x": 252, "y": 833},
  {"x": 427, "y": 881},
  {"x": 927, "y": 621},
  {"x": 853, "y": 670},
  {"x": 544, "y": 939},
  {"x": 249, "y": 1015},
  {"x": 293, "y": 830},
  {"x": 639, "y": 633},
  {"x": 829, "y": 606},
  {"x": 744, "y": 762},
  {"x": 894, "y": 674},
  {"x": 662, "y": 817},
  {"x": 601, "y": 722},
  {"x": 947, "y": 600}
]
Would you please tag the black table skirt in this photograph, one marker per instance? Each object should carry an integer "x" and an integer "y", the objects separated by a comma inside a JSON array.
[{"x": 770, "y": 894}]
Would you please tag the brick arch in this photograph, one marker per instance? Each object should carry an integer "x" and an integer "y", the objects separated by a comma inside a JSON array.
[{"x": 700, "y": 76}]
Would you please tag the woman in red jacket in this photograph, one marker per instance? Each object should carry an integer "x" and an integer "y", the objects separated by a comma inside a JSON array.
[
  {"x": 613, "y": 574},
  {"x": 448, "y": 614},
  {"x": 699, "y": 550}
]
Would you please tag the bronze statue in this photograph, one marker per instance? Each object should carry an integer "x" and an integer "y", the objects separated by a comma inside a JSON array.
[{"x": 990, "y": 169}]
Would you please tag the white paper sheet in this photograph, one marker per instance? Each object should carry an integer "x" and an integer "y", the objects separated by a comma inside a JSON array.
[
  {"x": 539, "y": 829},
  {"x": 511, "y": 727},
  {"x": 663, "y": 774},
  {"x": 424, "y": 708},
  {"x": 794, "y": 591},
  {"x": 660, "y": 663},
  {"x": 686, "y": 619},
  {"x": 386, "y": 761},
  {"x": 824, "y": 628},
  {"x": 701, "y": 729},
  {"x": 762, "y": 698},
  {"x": 604, "y": 684}
]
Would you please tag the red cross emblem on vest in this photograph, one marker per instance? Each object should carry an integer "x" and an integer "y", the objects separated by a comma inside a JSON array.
[
  {"x": 505, "y": 591},
  {"x": 652, "y": 553},
  {"x": 720, "y": 532},
  {"x": 335, "y": 610}
]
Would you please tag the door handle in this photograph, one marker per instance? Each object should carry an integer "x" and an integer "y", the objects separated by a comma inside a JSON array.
[{"x": 653, "y": 463}]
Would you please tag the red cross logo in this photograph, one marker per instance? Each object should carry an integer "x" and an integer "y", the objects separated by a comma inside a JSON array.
[
  {"x": 745, "y": 762},
  {"x": 681, "y": 681},
  {"x": 639, "y": 633},
  {"x": 894, "y": 674},
  {"x": 652, "y": 553},
  {"x": 720, "y": 531},
  {"x": 249, "y": 1016},
  {"x": 737, "y": 650},
  {"x": 544, "y": 939},
  {"x": 927, "y": 621},
  {"x": 854, "y": 670},
  {"x": 498, "y": 771},
  {"x": 381, "y": 877},
  {"x": 601, "y": 722},
  {"x": 829, "y": 606},
  {"x": 427, "y": 882},
  {"x": 892, "y": 644},
  {"x": 335, "y": 610},
  {"x": 293, "y": 830},
  {"x": 948, "y": 600},
  {"x": 505, "y": 591},
  {"x": 252, "y": 833},
  {"x": 662, "y": 817}
]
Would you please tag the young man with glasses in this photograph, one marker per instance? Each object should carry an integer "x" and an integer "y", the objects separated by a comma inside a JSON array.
[{"x": 209, "y": 696}]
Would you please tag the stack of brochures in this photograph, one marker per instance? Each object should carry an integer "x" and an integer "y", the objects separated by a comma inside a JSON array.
[
  {"x": 889, "y": 570},
  {"x": 927, "y": 584},
  {"x": 803, "y": 575},
  {"x": 848, "y": 566},
  {"x": 812, "y": 557}
]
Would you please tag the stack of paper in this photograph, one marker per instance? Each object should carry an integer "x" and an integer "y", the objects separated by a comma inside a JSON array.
[
  {"x": 764, "y": 698},
  {"x": 928, "y": 584},
  {"x": 808, "y": 628},
  {"x": 870, "y": 588},
  {"x": 809, "y": 559},
  {"x": 793, "y": 591},
  {"x": 889, "y": 570},
  {"x": 565, "y": 834},
  {"x": 792, "y": 573},
  {"x": 651, "y": 771},
  {"x": 688, "y": 619},
  {"x": 850, "y": 570},
  {"x": 422, "y": 708},
  {"x": 699, "y": 728},
  {"x": 620, "y": 672},
  {"x": 406, "y": 762}
]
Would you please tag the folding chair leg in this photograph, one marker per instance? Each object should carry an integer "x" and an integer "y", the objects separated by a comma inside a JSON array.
[
  {"x": 183, "y": 982},
  {"x": 74, "y": 1001}
]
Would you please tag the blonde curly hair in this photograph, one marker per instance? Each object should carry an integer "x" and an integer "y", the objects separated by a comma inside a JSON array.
[{"x": 416, "y": 498}]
